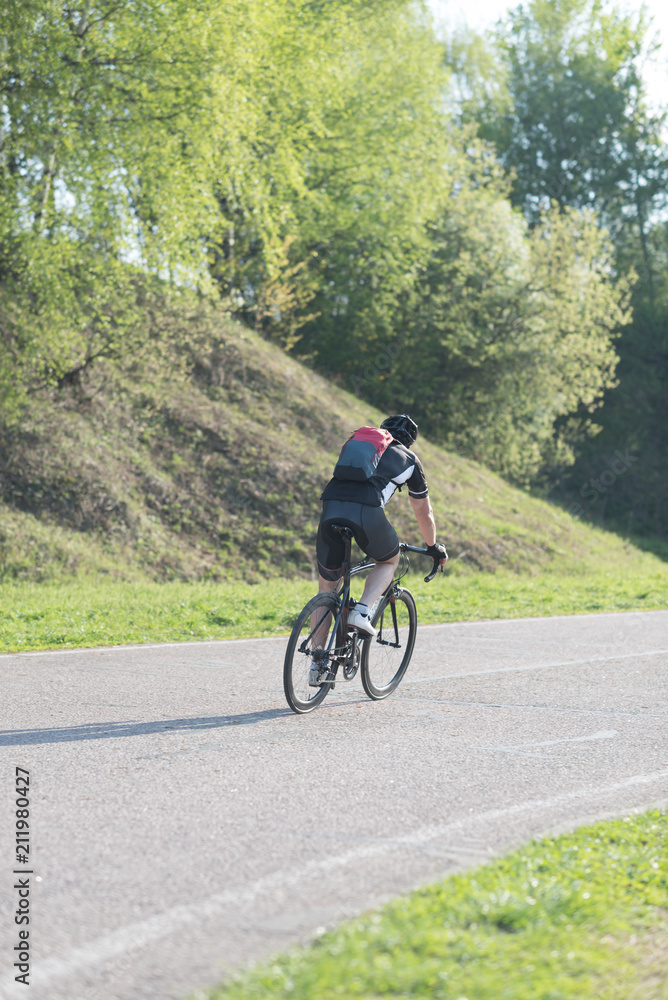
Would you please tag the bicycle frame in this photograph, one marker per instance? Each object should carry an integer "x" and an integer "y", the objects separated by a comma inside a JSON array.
[
  {"x": 342, "y": 596},
  {"x": 322, "y": 638}
]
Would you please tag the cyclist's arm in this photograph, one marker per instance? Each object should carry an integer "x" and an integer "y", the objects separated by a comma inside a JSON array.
[{"x": 425, "y": 518}]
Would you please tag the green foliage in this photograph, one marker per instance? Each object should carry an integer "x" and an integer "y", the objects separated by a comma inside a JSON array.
[
  {"x": 101, "y": 163},
  {"x": 301, "y": 160},
  {"x": 521, "y": 342},
  {"x": 60, "y": 311},
  {"x": 276, "y": 147},
  {"x": 635, "y": 416},
  {"x": 99, "y": 135},
  {"x": 500, "y": 343},
  {"x": 324, "y": 195},
  {"x": 508, "y": 333},
  {"x": 560, "y": 919},
  {"x": 566, "y": 108},
  {"x": 559, "y": 89}
]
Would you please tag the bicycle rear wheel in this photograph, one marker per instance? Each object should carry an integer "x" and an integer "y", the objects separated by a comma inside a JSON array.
[
  {"x": 385, "y": 658},
  {"x": 310, "y": 636}
]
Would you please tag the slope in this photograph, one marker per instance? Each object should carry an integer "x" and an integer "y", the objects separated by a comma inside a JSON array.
[{"x": 204, "y": 458}]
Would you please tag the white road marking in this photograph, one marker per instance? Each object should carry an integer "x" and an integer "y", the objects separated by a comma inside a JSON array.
[
  {"x": 141, "y": 933},
  {"x": 427, "y": 699},
  {"x": 530, "y": 708},
  {"x": 519, "y": 748},
  {"x": 139, "y": 647},
  {"x": 534, "y": 666},
  {"x": 543, "y": 618}
]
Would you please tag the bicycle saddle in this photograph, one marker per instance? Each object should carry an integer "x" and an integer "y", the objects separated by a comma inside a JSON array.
[{"x": 343, "y": 529}]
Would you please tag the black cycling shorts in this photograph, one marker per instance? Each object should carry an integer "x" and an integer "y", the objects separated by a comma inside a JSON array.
[{"x": 372, "y": 531}]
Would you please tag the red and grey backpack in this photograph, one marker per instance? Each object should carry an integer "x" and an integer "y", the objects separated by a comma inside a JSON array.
[{"x": 361, "y": 454}]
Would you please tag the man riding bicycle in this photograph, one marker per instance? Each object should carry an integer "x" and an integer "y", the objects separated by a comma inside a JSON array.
[{"x": 359, "y": 504}]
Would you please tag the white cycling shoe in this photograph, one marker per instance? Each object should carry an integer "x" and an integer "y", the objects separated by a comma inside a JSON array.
[{"x": 361, "y": 622}]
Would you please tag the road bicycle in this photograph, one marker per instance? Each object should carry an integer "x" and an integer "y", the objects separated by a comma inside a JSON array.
[{"x": 321, "y": 635}]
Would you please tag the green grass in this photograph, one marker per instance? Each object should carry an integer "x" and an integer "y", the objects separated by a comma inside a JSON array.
[
  {"x": 506, "y": 595},
  {"x": 101, "y": 613},
  {"x": 580, "y": 917}
]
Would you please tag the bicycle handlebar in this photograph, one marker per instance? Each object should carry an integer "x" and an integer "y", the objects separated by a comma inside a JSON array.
[
  {"x": 422, "y": 552},
  {"x": 368, "y": 562}
]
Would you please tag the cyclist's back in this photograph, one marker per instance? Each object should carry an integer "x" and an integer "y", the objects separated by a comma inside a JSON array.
[
  {"x": 397, "y": 466},
  {"x": 360, "y": 505}
]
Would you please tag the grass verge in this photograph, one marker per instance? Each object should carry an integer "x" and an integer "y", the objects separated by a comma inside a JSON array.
[
  {"x": 582, "y": 916},
  {"x": 104, "y": 613}
]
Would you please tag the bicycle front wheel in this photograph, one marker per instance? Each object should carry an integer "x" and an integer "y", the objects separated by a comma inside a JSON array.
[
  {"x": 310, "y": 640},
  {"x": 385, "y": 659}
]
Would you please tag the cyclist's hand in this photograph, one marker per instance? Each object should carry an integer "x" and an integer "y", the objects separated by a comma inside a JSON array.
[{"x": 437, "y": 551}]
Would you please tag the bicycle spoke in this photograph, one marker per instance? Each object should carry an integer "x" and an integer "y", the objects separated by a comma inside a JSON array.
[
  {"x": 311, "y": 641},
  {"x": 386, "y": 657}
]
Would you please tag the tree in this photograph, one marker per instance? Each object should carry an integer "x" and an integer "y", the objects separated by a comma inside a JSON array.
[
  {"x": 300, "y": 157},
  {"x": 242, "y": 142},
  {"x": 569, "y": 114},
  {"x": 346, "y": 145},
  {"x": 632, "y": 496},
  {"x": 510, "y": 341},
  {"x": 102, "y": 174},
  {"x": 559, "y": 88}
]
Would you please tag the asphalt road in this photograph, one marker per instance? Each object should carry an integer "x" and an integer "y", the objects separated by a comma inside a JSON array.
[{"x": 184, "y": 822}]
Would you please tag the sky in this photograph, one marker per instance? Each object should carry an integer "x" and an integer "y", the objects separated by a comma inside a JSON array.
[{"x": 480, "y": 14}]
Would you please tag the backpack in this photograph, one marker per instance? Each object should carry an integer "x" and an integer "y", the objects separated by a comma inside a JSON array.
[{"x": 361, "y": 454}]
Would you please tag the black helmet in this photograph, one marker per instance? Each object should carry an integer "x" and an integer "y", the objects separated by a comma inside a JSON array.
[{"x": 401, "y": 427}]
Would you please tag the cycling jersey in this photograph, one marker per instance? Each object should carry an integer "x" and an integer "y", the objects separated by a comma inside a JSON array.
[{"x": 397, "y": 466}]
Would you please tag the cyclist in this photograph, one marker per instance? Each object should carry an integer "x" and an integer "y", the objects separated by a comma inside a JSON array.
[{"x": 361, "y": 507}]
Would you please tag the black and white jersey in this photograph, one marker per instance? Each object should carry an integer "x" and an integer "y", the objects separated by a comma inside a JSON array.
[{"x": 397, "y": 466}]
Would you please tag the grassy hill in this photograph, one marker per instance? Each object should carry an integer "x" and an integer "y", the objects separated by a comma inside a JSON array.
[{"x": 205, "y": 458}]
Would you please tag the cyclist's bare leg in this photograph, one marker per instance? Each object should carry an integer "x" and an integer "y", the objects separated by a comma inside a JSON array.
[
  {"x": 378, "y": 580},
  {"x": 324, "y": 587}
]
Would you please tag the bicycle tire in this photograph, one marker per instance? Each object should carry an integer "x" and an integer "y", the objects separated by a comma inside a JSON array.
[
  {"x": 383, "y": 665},
  {"x": 299, "y": 695}
]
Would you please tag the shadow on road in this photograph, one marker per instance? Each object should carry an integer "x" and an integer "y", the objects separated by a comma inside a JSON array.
[{"x": 112, "y": 730}]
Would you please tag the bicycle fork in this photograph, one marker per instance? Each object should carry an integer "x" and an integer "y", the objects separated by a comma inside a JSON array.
[{"x": 395, "y": 628}]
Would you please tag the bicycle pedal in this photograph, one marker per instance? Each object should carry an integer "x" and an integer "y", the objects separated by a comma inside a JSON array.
[{"x": 316, "y": 679}]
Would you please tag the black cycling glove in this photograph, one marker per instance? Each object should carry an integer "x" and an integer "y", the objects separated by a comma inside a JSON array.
[{"x": 437, "y": 551}]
